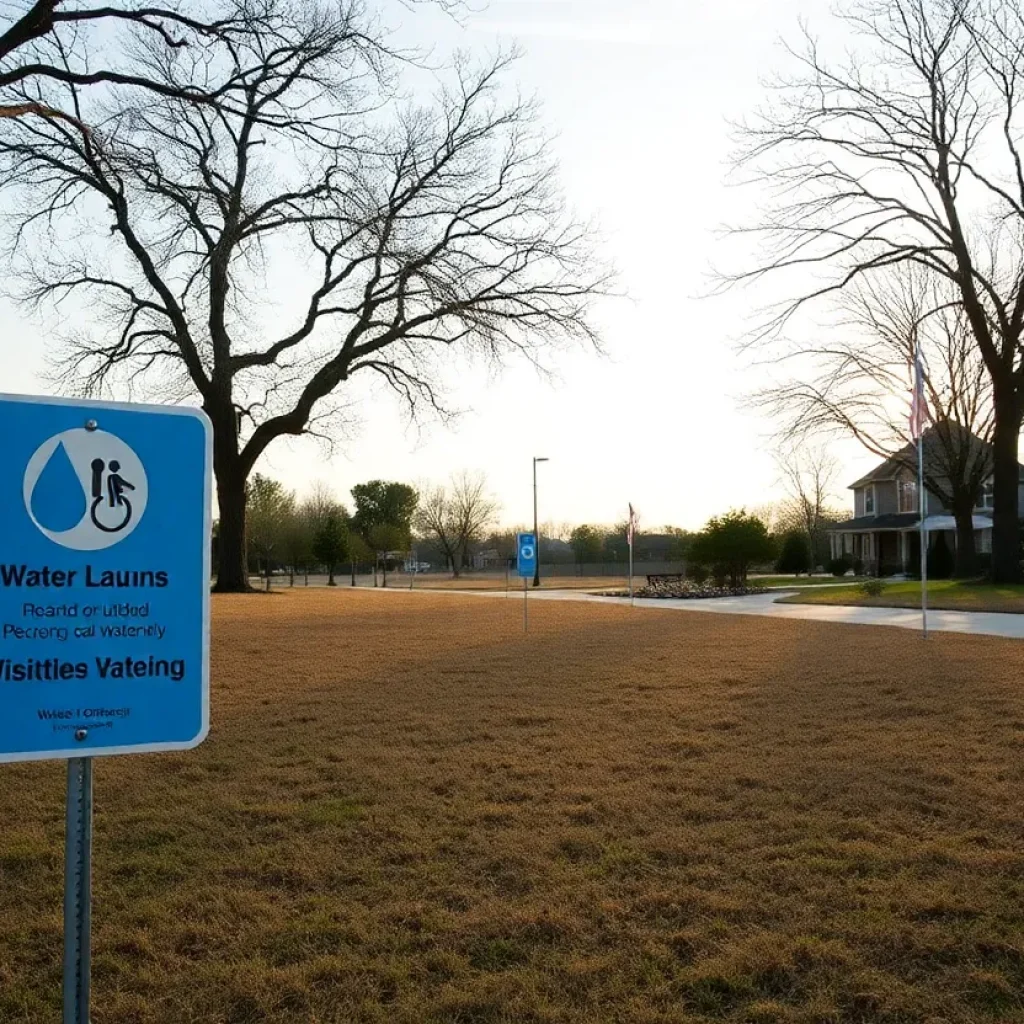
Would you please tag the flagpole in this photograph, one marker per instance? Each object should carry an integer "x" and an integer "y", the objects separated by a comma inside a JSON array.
[
  {"x": 922, "y": 500},
  {"x": 630, "y": 534},
  {"x": 631, "y": 565}
]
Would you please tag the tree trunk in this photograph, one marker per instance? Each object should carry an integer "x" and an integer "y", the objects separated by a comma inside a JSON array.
[
  {"x": 330, "y": 576},
  {"x": 1005, "y": 526},
  {"x": 966, "y": 564},
  {"x": 232, "y": 567},
  {"x": 352, "y": 565},
  {"x": 384, "y": 571}
]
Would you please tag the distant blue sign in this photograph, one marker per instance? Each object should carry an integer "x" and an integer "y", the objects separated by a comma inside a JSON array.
[
  {"x": 526, "y": 554},
  {"x": 104, "y": 578}
]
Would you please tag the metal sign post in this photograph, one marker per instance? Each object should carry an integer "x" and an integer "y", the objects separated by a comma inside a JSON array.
[
  {"x": 526, "y": 562},
  {"x": 78, "y": 891},
  {"x": 105, "y": 512},
  {"x": 922, "y": 526}
]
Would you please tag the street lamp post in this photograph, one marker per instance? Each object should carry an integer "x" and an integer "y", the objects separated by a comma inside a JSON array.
[{"x": 536, "y": 529}]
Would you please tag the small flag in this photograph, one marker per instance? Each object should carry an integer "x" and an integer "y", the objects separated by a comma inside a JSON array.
[
  {"x": 634, "y": 521},
  {"x": 918, "y": 405}
]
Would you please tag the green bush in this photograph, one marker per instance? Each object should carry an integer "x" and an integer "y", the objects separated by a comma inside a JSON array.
[
  {"x": 872, "y": 588},
  {"x": 840, "y": 566},
  {"x": 731, "y": 544},
  {"x": 698, "y": 573},
  {"x": 795, "y": 556}
]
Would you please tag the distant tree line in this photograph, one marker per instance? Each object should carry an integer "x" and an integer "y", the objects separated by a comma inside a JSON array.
[
  {"x": 594, "y": 544},
  {"x": 453, "y": 527},
  {"x": 319, "y": 533}
]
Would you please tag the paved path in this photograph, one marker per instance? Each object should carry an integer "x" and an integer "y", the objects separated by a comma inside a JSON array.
[{"x": 986, "y": 623}]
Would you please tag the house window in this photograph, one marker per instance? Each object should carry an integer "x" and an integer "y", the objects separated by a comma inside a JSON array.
[
  {"x": 907, "y": 495},
  {"x": 985, "y": 498},
  {"x": 869, "y": 500}
]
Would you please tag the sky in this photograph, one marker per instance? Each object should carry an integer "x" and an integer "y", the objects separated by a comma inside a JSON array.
[{"x": 640, "y": 96}]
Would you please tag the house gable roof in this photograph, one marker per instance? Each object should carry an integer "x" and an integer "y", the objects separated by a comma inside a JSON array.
[{"x": 906, "y": 458}]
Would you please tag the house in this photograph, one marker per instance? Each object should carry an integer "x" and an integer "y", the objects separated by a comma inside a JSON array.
[
  {"x": 488, "y": 558},
  {"x": 886, "y": 518}
]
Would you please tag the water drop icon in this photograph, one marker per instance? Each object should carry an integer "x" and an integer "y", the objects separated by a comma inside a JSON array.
[{"x": 58, "y": 501}]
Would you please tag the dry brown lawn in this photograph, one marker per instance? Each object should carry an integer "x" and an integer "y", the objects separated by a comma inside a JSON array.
[{"x": 408, "y": 812}]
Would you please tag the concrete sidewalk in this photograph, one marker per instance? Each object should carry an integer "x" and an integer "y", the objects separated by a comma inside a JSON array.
[{"x": 983, "y": 623}]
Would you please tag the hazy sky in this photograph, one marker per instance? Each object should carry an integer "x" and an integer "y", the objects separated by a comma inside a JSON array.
[{"x": 639, "y": 93}]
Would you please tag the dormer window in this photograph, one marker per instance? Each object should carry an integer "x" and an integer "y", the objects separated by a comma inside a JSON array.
[{"x": 869, "y": 500}]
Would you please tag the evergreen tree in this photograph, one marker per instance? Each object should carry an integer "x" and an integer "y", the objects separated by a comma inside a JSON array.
[
  {"x": 795, "y": 556},
  {"x": 330, "y": 544}
]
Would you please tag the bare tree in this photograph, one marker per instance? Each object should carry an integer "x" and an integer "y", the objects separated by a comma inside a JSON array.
[
  {"x": 809, "y": 476},
  {"x": 907, "y": 152},
  {"x": 436, "y": 518},
  {"x": 858, "y": 386},
  {"x": 322, "y": 517},
  {"x": 403, "y": 233},
  {"x": 457, "y": 516},
  {"x": 43, "y": 39},
  {"x": 320, "y": 504}
]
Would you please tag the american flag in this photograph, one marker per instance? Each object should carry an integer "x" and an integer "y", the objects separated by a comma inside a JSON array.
[
  {"x": 918, "y": 405},
  {"x": 631, "y": 526}
]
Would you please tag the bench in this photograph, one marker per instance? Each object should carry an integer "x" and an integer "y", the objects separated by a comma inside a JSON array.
[{"x": 655, "y": 579}]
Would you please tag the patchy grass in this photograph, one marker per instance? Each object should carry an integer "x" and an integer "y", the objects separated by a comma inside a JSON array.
[
  {"x": 802, "y": 581},
  {"x": 957, "y": 595},
  {"x": 409, "y": 812}
]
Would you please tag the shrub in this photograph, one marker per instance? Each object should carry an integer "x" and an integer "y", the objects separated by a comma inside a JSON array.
[
  {"x": 840, "y": 566},
  {"x": 795, "y": 556},
  {"x": 732, "y": 544},
  {"x": 871, "y": 588},
  {"x": 698, "y": 573},
  {"x": 858, "y": 567}
]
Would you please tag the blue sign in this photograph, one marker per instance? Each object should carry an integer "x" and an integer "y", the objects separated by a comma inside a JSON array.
[
  {"x": 104, "y": 578},
  {"x": 526, "y": 554}
]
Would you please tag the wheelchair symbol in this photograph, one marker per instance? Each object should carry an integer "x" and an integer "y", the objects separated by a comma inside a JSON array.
[{"x": 115, "y": 495}]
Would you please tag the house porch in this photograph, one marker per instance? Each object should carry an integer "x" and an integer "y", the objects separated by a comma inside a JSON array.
[{"x": 887, "y": 552}]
